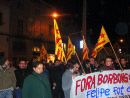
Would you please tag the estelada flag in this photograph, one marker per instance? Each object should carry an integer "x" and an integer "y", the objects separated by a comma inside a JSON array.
[
  {"x": 103, "y": 39},
  {"x": 58, "y": 42},
  {"x": 85, "y": 50},
  {"x": 70, "y": 49}
]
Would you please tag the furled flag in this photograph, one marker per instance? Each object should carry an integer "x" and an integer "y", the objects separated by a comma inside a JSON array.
[
  {"x": 70, "y": 49},
  {"x": 42, "y": 53},
  {"x": 58, "y": 42},
  {"x": 85, "y": 50},
  {"x": 103, "y": 39}
]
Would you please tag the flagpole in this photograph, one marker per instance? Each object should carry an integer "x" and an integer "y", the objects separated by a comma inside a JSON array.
[
  {"x": 106, "y": 51},
  {"x": 114, "y": 53},
  {"x": 79, "y": 62},
  {"x": 64, "y": 56}
]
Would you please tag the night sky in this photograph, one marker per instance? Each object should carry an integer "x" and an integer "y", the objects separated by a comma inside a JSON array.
[{"x": 113, "y": 14}]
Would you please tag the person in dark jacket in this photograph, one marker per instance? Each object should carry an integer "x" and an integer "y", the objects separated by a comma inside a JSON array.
[
  {"x": 49, "y": 66},
  {"x": 91, "y": 66},
  {"x": 30, "y": 65},
  {"x": 45, "y": 71},
  {"x": 116, "y": 64},
  {"x": 56, "y": 77},
  {"x": 36, "y": 85},
  {"x": 85, "y": 64},
  {"x": 101, "y": 65},
  {"x": 123, "y": 63},
  {"x": 20, "y": 74}
]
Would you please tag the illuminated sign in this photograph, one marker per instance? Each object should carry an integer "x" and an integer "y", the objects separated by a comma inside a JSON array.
[
  {"x": 81, "y": 44},
  {"x": 119, "y": 50}
]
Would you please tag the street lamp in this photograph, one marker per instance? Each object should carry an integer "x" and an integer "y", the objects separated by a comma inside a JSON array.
[
  {"x": 121, "y": 40},
  {"x": 55, "y": 15}
]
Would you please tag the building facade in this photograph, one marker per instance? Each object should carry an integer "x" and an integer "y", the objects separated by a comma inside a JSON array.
[{"x": 25, "y": 26}]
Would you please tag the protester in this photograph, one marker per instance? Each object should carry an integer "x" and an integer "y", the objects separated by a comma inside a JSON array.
[
  {"x": 37, "y": 84},
  {"x": 56, "y": 77},
  {"x": 101, "y": 65},
  {"x": 91, "y": 67},
  {"x": 27, "y": 62},
  {"x": 44, "y": 62},
  {"x": 20, "y": 74},
  {"x": 67, "y": 78},
  {"x": 30, "y": 65},
  {"x": 76, "y": 69},
  {"x": 109, "y": 63},
  {"x": 7, "y": 79},
  {"x": 116, "y": 64},
  {"x": 45, "y": 71},
  {"x": 49, "y": 66},
  {"x": 123, "y": 63},
  {"x": 96, "y": 65},
  {"x": 64, "y": 68},
  {"x": 85, "y": 65}
]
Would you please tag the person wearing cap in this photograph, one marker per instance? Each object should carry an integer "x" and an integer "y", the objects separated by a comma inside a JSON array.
[{"x": 7, "y": 79}]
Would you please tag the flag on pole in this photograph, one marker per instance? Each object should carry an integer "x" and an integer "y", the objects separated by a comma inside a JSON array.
[
  {"x": 42, "y": 53},
  {"x": 58, "y": 42},
  {"x": 103, "y": 39},
  {"x": 70, "y": 49},
  {"x": 85, "y": 50}
]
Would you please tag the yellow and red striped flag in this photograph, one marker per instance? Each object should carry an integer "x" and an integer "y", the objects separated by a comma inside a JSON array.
[
  {"x": 58, "y": 42},
  {"x": 42, "y": 53},
  {"x": 103, "y": 39},
  {"x": 70, "y": 49},
  {"x": 85, "y": 50}
]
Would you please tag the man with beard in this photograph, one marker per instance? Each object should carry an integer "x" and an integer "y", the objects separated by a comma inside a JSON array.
[
  {"x": 20, "y": 74},
  {"x": 7, "y": 79}
]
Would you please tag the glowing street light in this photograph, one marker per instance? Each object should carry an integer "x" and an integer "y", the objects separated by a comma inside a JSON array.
[
  {"x": 121, "y": 40},
  {"x": 54, "y": 15}
]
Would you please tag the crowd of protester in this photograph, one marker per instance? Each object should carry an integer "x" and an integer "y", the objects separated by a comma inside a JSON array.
[{"x": 39, "y": 79}]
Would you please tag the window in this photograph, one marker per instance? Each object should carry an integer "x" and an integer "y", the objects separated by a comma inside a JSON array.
[
  {"x": 19, "y": 46},
  {"x": 36, "y": 49},
  {"x": 20, "y": 27},
  {"x": 20, "y": 5},
  {"x": 1, "y": 18}
]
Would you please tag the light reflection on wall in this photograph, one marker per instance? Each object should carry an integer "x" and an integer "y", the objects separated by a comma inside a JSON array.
[
  {"x": 40, "y": 29},
  {"x": 36, "y": 49}
]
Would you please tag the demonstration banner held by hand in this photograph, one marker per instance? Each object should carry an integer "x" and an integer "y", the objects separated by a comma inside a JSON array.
[{"x": 106, "y": 84}]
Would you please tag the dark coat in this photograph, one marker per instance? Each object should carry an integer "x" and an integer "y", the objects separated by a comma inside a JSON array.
[
  {"x": 20, "y": 76},
  {"x": 56, "y": 74},
  {"x": 34, "y": 88}
]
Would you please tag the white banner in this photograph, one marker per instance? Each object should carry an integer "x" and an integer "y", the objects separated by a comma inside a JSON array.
[{"x": 106, "y": 84}]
